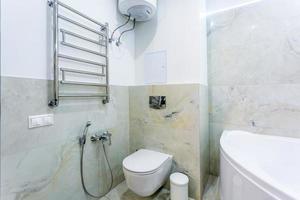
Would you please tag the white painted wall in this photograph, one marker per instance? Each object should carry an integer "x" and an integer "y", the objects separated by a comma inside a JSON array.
[
  {"x": 180, "y": 29},
  {"x": 25, "y": 33}
]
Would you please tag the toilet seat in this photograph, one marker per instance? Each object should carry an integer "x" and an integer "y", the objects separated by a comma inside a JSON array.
[
  {"x": 146, "y": 171},
  {"x": 144, "y": 162}
]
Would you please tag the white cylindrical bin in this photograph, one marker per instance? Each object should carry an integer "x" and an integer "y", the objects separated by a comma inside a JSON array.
[{"x": 179, "y": 186}]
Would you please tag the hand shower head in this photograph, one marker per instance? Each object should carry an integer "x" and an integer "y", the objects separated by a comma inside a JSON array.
[
  {"x": 82, "y": 139},
  {"x": 89, "y": 123}
]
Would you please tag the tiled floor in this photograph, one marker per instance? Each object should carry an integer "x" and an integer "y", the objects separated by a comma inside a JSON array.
[{"x": 121, "y": 192}]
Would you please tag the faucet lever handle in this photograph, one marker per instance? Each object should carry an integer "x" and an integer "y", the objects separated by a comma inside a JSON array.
[
  {"x": 94, "y": 138},
  {"x": 108, "y": 136},
  {"x": 104, "y": 136}
]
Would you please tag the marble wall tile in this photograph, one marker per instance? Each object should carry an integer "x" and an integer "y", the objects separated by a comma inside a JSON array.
[
  {"x": 266, "y": 106},
  {"x": 255, "y": 40},
  {"x": 204, "y": 136},
  {"x": 180, "y": 113},
  {"x": 43, "y": 163},
  {"x": 176, "y": 130},
  {"x": 254, "y": 74}
]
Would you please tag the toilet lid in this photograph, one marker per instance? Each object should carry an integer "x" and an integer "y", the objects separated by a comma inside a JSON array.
[{"x": 144, "y": 161}]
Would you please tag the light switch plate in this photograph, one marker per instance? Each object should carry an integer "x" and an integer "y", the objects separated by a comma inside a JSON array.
[{"x": 40, "y": 120}]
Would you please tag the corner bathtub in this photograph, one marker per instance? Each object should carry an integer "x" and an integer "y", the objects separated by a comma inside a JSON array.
[{"x": 259, "y": 167}]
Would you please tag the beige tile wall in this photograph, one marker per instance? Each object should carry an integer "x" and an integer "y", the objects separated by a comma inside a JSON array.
[
  {"x": 43, "y": 163},
  {"x": 175, "y": 130}
]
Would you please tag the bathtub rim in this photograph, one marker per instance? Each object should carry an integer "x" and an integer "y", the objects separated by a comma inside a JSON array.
[{"x": 264, "y": 185}]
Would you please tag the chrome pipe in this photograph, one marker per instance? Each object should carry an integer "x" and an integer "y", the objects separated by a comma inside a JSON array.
[
  {"x": 54, "y": 102},
  {"x": 80, "y": 14},
  {"x": 81, "y": 72},
  {"x": 82, "y": 49},
  {"x": 80, "y": 60},
  {"x": 65, "y": 32},
  {"x": 81, "y": 25},
  {"x": 107, "y": 64},
  {"x": 82, "y": 95},
  {"x": 82, "y": 83}
]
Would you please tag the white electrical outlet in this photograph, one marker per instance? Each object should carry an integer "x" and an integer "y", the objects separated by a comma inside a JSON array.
[{"x": 40, "y": 120}]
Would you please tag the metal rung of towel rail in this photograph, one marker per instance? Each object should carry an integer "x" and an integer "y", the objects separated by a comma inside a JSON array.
[
  {"x": 81, "y": 72},
  {"x": 82, "y": 95},
  {"x": 101, "y": 32},
  {"x": 65, "y": 32}
]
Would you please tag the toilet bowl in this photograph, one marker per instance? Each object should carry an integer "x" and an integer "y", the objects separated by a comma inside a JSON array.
[{"x": 146, "y": 171}]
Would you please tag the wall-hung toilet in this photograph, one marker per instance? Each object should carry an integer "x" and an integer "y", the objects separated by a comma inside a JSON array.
[{"x": 146, "y": 171}]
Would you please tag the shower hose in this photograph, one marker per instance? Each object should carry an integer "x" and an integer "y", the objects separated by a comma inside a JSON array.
[{"x": 82, "y": 144}]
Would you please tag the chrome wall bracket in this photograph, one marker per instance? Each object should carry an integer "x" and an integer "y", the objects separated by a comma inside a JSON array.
[{"x": 50, "y": 3}]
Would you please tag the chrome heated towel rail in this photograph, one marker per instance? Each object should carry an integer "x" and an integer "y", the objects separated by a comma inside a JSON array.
[{"x": 59, "y": 40}]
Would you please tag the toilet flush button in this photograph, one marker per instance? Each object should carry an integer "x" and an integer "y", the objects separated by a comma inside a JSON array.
[
  {"x": 48, "y": 120},
  {"x": 40, "y": 120},
  {"x": 35, "y": 122}
]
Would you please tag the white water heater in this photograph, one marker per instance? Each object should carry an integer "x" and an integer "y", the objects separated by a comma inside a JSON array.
[{"x": 140, "y": 10}]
